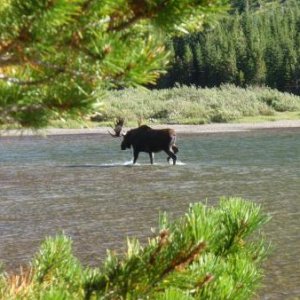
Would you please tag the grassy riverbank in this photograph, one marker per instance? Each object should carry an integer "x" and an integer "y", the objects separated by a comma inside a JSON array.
[
  {"x": 187, "y": 106},
  {"x": 193, "y": 106}
]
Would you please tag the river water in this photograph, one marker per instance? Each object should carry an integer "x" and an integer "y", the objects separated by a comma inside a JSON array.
[{"x": 85, "y": 186}]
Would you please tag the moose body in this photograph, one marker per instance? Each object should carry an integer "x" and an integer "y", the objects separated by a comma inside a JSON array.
[{"x": 146, "y": 139}]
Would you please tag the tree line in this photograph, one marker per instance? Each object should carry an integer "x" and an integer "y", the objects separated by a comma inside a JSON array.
[{"x": 258, "y": 46}]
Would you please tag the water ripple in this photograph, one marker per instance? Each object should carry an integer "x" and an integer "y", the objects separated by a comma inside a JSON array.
[{"x": 85, "y": 186}]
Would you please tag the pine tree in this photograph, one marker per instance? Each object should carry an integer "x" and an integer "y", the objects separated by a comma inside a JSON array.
[
  {"x": 188, "y": 64},
  {"x": 258, "y": 47},
  {"x": 199, "y": 60},
  {"x": 209, "y": 253},
  {"x": 55, "y": 56}
]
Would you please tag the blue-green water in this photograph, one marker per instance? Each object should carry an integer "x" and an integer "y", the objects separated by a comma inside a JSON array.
[{"x": 85, "y": 186}]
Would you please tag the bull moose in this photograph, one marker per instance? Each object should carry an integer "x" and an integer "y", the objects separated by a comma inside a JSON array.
[{"x": 146, "y": 139}]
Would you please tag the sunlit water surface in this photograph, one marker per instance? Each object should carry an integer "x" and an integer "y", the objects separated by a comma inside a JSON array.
[{"x": 85, "y": 186}]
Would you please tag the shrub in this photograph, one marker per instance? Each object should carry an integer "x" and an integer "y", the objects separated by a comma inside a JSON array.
[
  {"x": 209, "y": 253},
  {"x": 191, "y": 105}
]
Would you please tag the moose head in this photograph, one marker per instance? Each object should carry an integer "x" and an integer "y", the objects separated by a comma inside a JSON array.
[{"x": 118, "y": 128}]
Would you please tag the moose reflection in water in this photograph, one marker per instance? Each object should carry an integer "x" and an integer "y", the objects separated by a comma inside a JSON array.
[{"x": 146, "y": 139}]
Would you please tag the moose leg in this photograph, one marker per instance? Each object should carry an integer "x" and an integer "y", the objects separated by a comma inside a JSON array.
[
  {"x": 135, "y": 156},
  {"x": 151, "y": 155},
  {"x": 174, "y": 150},
  {"x": 171, "y": 155}
]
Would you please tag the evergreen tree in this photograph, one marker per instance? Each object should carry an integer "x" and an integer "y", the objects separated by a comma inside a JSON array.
[
  {"x": 189, "y": 64},
  {"x": 56, "y": 55},
  {"x": 199, "y": 60},
  {"x": 210, "y": 253},
  {"x": 259, "y": 47}
]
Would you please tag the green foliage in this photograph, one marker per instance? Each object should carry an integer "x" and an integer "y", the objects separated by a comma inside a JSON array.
[
  {"x": 246, "y": 5},
  {"x": 209, "y": 253},
  {"x": 55, "y": 263},
  {"x": 258, "y": 47},
  {"x": 55, "y": 54},
  {"x": 191, "y": 105}
]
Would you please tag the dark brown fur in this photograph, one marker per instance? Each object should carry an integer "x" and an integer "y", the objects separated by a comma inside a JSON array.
[{"x": 146, "y": 139}]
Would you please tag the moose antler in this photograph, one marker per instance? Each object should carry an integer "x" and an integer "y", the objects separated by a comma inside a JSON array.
[{"x": 118, "y": 128}]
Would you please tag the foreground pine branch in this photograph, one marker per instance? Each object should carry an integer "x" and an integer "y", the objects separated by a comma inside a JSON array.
[
  {"x": 59, "y": 53},
  {"x": 207, "y": 254}
]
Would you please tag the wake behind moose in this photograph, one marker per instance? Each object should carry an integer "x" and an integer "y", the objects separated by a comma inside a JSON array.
[{"x": 146, "y": 139}]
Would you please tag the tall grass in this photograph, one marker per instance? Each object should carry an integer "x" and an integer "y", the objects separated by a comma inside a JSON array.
[{"x": 192, "y": 105}]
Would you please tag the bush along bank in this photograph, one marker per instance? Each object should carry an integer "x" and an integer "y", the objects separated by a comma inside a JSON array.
[{"x": 192, "y": 105}]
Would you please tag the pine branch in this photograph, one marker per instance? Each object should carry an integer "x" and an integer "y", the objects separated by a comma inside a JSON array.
[
  {"x": 139, "y": 13},
  {"x": 57, "y": 70},
  {"x": 6, "y": 46},
  {"x": 26, "y": 82},
  {"x": 86, "y": 42},
  {"x": 7, "y": 61},
  {"x": 163, "y": 240},
  {"x": 183, "y": 260}
]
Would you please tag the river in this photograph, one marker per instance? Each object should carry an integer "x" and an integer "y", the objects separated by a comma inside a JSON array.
[{"x": 85, "y": 186}]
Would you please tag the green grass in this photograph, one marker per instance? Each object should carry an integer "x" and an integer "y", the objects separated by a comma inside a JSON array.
[{"x": 278, "y": 116}]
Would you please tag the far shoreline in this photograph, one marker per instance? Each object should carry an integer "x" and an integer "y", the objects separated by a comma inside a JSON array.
[{"x": 205, "y": 128}]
